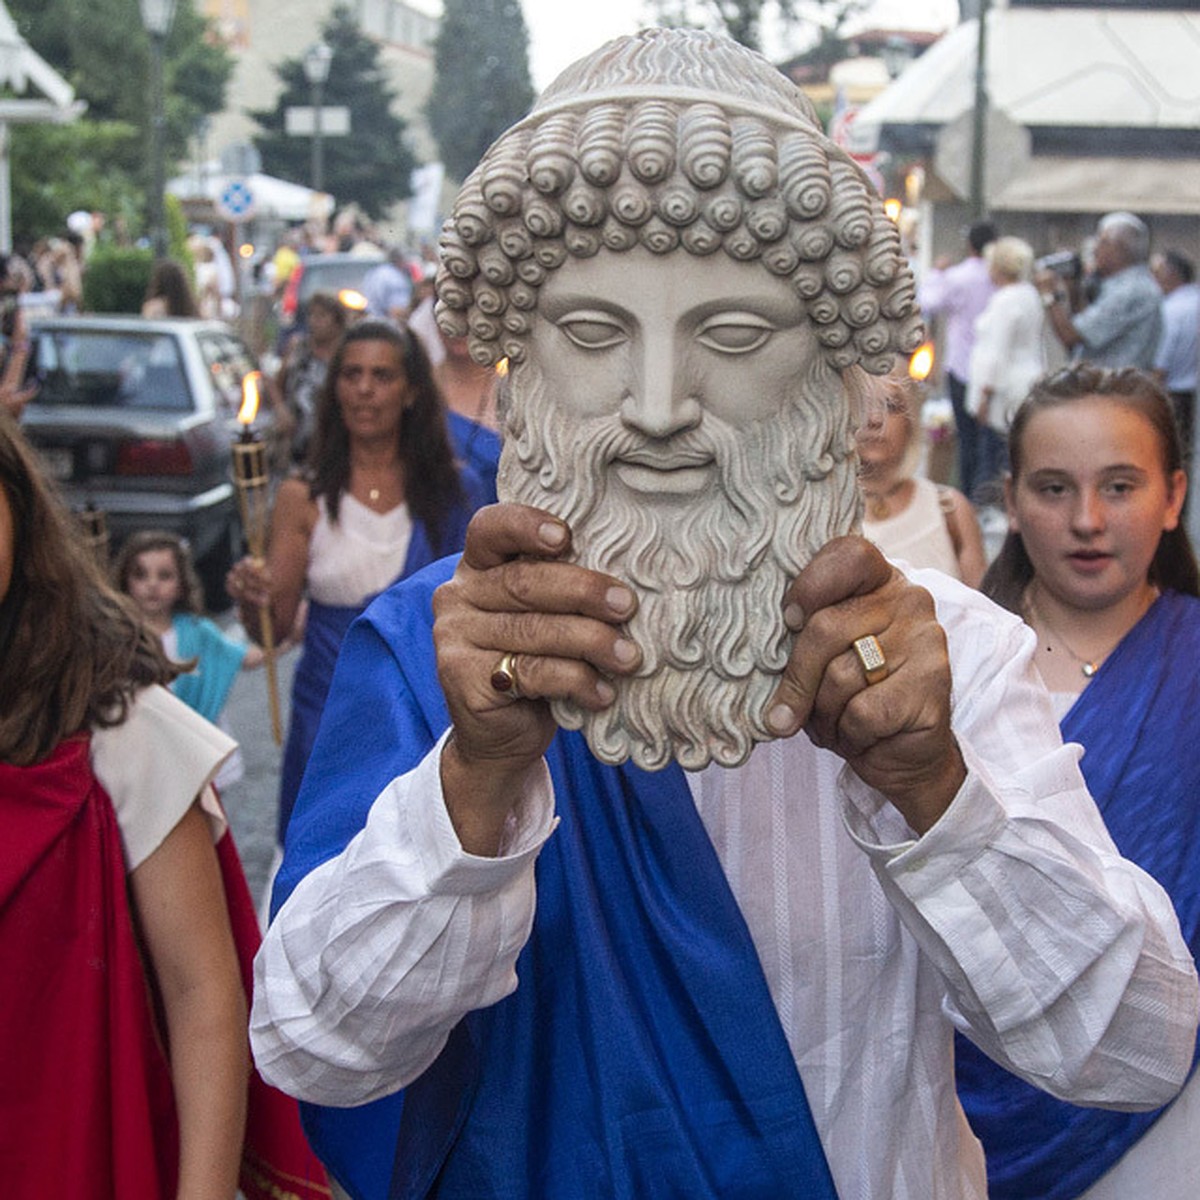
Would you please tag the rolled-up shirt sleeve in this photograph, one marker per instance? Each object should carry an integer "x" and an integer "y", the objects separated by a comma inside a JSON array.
[
  {"x": 379, "y": 952},
  {"x": 1062, "y": 960}
]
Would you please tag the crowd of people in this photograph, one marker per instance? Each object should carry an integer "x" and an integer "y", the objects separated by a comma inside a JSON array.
[{"x": 516, "y": 950}]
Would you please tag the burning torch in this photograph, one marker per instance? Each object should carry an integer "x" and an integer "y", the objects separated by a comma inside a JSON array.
[{"x": 252, "y": 479}]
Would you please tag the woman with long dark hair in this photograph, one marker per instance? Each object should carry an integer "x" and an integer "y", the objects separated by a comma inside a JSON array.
[
  {"x": 381, "y": 496},
  {"x": 1098, "y": 564}
]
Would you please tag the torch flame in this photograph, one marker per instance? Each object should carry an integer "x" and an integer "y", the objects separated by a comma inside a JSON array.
[
  {"x": 921, "y": 363},
  {"x": 250, "y": 391},
  {"x": 892, "y": 207},
  {"x": 502, "y": 368}
]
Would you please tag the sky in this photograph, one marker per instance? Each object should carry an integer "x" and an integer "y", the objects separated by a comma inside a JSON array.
[{"x": 560, "y": 31}]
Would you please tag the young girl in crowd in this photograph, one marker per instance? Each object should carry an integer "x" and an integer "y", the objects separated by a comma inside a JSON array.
[
  {"x": 125, "y": 935},
  {"x": 154, "y": 568},
  {"x": 1097, "y": 563}
]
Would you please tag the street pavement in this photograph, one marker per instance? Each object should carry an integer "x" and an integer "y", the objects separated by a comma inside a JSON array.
[{"x": 252, "y": 802}]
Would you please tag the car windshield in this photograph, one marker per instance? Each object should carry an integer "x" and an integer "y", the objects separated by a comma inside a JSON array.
[{"x": 109, "y": 369}]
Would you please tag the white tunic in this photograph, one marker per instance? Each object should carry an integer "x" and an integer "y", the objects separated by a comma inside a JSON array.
[{"x": 358, "y": 555}]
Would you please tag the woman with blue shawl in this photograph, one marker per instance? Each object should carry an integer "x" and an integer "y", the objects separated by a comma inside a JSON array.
[
  {"x": 1098, "y": 564},
  {"x": 381, "y": 496}
]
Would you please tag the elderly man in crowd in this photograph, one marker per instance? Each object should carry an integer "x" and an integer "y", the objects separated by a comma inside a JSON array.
[
  {"x": 666, "y": 860},
  {"x": 1121, "y": 327}
]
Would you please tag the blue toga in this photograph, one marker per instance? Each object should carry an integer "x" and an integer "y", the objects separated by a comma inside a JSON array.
[{"x": 1136, "y": 721}]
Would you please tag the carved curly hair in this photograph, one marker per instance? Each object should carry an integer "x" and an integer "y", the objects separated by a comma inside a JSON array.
[{"x": 675, "y": 139}]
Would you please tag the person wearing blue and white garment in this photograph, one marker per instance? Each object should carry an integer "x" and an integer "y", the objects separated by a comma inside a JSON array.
[{"x": 500, "y": 965}]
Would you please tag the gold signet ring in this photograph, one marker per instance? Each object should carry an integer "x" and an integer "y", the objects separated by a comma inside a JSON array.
[
  {"x": 870, "y": 654},
  {"x": 504, "y": 676}
]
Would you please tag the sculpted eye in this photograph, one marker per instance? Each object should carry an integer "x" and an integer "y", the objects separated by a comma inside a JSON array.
[
  {"x": 735, "y": 333},
  {"x": 593, "y": 330}
]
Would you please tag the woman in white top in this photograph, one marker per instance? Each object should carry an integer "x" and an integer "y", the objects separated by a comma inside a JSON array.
[
  {"x": 381, "y": 496},
  {"x": 1009, "y": 350},
  {"x": 907, "y": 517}
]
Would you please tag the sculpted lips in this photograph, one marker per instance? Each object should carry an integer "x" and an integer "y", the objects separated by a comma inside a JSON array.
[{"x": 677, "y": 472}]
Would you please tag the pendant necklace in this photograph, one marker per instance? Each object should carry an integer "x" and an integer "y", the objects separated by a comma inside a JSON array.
[
  {"x": 1089, "y": 666},
  {"x": 373, "y": 495},
  {"x": 879, "y": 503}
]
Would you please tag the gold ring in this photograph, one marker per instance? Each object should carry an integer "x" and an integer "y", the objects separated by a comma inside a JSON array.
[
  {"x": 870, "y": 654},
  {"x": 504, "y": 676}
]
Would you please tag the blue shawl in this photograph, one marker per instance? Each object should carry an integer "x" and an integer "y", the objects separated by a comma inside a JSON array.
[
  {"x": 477, "y": 446},
  {"x": 323, "y": 633},
  {"x": 1136, "y": 720},
  {"x": 206, "y": 688},
  {"x": 641, "y": 1054}
]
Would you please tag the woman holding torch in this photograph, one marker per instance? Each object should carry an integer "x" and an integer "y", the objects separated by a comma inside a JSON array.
[{"x": 380, "y": 497}]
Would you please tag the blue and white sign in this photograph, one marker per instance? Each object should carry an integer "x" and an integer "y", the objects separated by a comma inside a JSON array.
[{"x": 236, "y": 201}]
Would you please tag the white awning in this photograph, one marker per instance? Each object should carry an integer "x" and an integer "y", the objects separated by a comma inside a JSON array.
[
  {"x": 1099, "y": 185},
  {"x": 1093, "y": 68}
]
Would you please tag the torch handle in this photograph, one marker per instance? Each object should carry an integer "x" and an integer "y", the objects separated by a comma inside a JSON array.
[{"x": 267, "y": 631}]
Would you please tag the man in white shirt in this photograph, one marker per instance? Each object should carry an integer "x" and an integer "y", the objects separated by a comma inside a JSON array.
[{"x": 599, "y": 979}]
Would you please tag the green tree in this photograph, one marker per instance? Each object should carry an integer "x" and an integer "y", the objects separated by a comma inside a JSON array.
[
  {"x": 370, "y": 167},
  {"x": 57, "y": 169},
  {"x": 825, "y": 20},
  {"x": 101, "y": 48},
  {"x": 482, "y": 83}
]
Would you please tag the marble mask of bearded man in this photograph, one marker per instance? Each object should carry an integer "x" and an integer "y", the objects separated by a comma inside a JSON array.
[{"x": 687, "y": 280}]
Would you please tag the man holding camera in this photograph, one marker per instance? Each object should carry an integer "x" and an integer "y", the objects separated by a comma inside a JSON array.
[{"x": 1121, "y": 326}]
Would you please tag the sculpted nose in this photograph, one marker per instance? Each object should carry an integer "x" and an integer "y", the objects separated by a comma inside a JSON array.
[{"x": 658, "y": 403}]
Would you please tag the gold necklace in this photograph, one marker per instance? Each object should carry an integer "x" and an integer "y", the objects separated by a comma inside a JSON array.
[
  {"x": 1089, "y": 666},
  {"x": 373, "y": 495},
  {"x": 879, "y": 503}
]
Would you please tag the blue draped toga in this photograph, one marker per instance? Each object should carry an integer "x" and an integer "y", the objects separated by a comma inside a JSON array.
[
  {"x": 640, "y": 1055},
  {"x": 1136, "y": 721}
]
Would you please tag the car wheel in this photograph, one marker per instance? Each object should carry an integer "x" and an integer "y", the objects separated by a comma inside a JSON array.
[{"x": 214, "y": 566}]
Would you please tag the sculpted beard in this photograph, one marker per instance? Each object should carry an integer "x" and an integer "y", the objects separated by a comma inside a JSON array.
[{"x": 710, "y": 571}]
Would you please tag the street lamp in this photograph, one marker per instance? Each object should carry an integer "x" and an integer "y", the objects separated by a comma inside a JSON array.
[
  {"x": 316, "y": 68},
  {"x": 157, "y": 16}
]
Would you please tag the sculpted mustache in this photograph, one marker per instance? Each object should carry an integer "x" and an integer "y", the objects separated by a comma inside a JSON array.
[{"x": 613, "y": 440}]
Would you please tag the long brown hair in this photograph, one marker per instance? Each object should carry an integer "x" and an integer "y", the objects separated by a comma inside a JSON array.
[
  {"x": 72, "y": 651},
  {"x": 1174, "y": 562},
  {"x": 431, "y": 481}
]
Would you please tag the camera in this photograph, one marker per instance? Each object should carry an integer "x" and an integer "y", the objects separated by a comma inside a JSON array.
[{"x": 1066, "y": 264}]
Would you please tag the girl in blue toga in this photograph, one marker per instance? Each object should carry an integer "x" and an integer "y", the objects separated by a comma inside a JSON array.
[{"x": 1098, "y": 564}]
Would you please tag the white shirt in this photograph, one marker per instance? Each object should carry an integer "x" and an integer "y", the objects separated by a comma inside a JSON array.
[
  {"x": 1009, "y": 352},
  {"x": 1013, "y": 915},
  {"x": 357, "y": 556},
  {"x": 154, "y": 766}
]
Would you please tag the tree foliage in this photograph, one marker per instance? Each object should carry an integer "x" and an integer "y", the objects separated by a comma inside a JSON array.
[
  {"x": 482, "y": 82},
  {"x": 820, "y": 23},
  {"x": 102, "y": 161},
  {"x": 372, "y": 166},
  {"x": 102, "y": 50}
]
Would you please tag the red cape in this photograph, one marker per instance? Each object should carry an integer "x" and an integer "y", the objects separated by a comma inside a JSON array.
[{"x": 86, "y": 1103}]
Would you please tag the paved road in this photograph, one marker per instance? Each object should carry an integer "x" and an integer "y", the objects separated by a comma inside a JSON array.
[{"x": 252, "y": 801}]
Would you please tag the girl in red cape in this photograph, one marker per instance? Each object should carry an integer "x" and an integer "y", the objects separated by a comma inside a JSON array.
[{"x": 124, "y": 934}]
